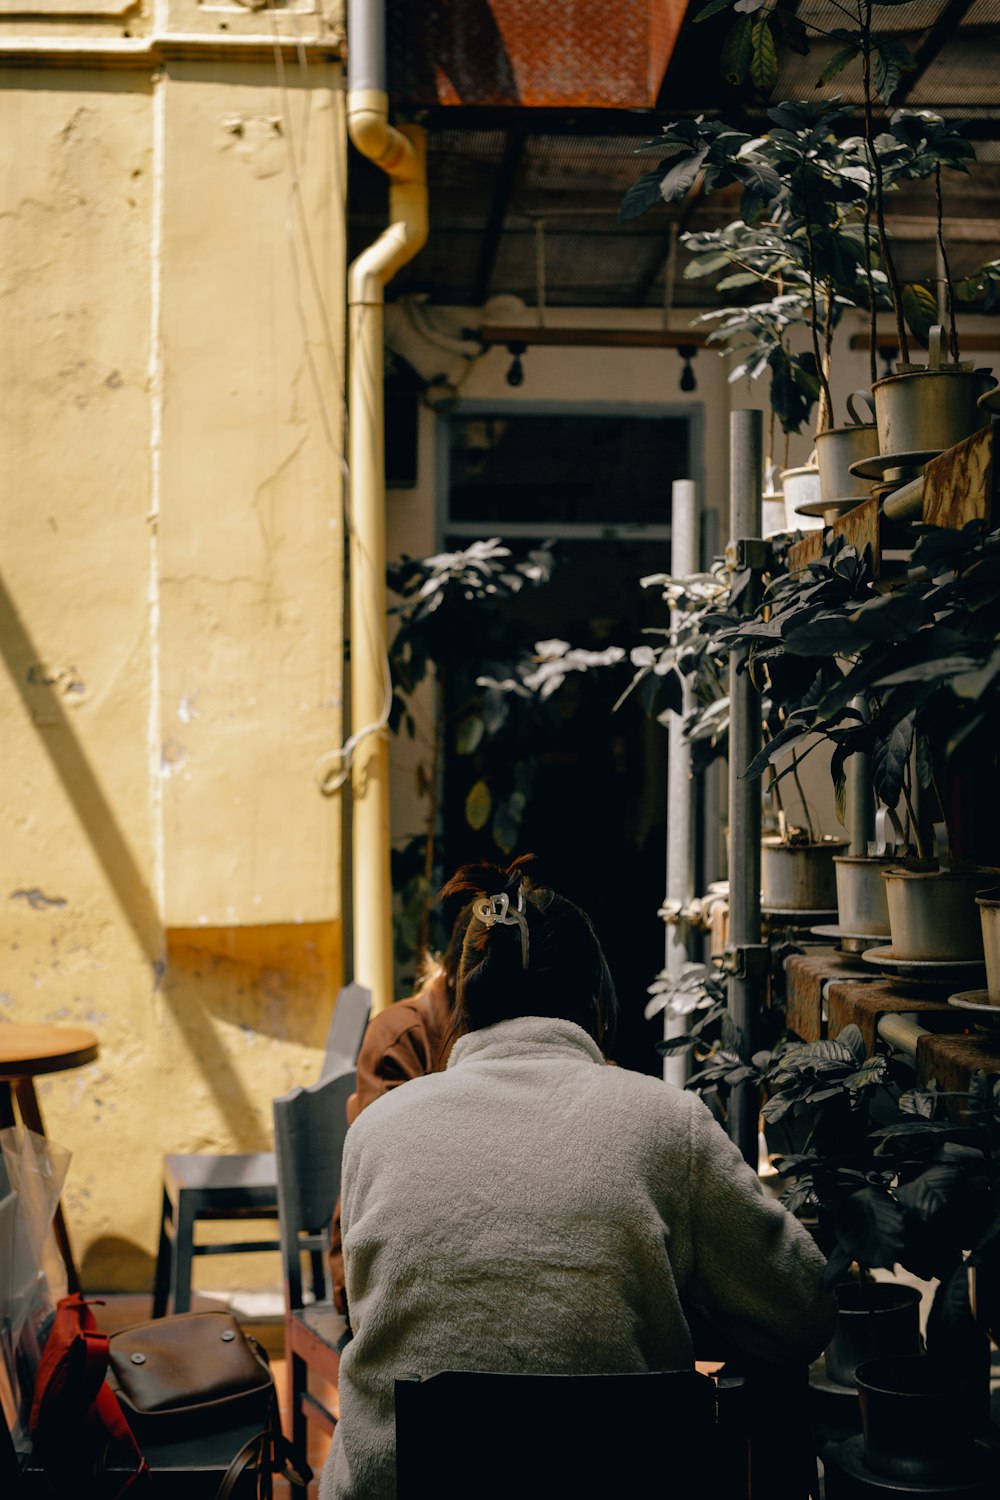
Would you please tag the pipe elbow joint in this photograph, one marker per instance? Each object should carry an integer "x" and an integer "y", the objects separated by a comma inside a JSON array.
[{"x": 369, "y": 129}]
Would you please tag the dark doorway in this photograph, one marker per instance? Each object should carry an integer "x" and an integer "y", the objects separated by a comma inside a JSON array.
[{"x": 598, "y": 484}]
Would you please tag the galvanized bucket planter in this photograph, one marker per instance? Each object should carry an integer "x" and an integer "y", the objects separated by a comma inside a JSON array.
[
  {"x": 772, "y": 517},
  {"x": 799, "y": 877},
  {"x": 862, "y": 908},
  {"x": 932, "y": 914},
  {"x": 839, "y": 447},
  {"x": 801, "y": 487},
  {"x": 927, "y": 410},
  {"x": 989, "y": 917}
]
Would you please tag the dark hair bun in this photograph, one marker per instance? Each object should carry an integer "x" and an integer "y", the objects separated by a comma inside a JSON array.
[
  {"x": 485, "y": 878},
  {"x": 546, "y": 963}
]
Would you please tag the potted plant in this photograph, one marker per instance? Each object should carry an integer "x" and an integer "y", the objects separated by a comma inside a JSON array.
[
  {"x": 925, "y": 410},
  {"x": 926, "y": 655},
  {"x": 886, "y": 1174},
  {"x": 915, "y": 1183},
  {"x": 918, "y": 415},
  {"x": 802, "y": 239}
]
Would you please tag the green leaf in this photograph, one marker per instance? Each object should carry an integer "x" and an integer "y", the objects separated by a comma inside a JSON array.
[
  {"x": 931, "y": 1192},
  {"x": 681, "y": 176},
  {"x": 641, "y": 195},
  {"x": 792, "y": 31},
  {"x": 478, "y": 805},
  {"x": 920, "y": 311},
  {"x": 764, "y": 65},
  {"x": 737, "y": 52},
  {"x": 870, "y": 1228},
  {"x": 468, "y": 734},
  {"x": 889, "y": 756},
  {"x": 507, "y": 821},
  {"x": 838, "y": 62},
  {"x": 891, "y": 60},
  {"x": 712, "y": 8},
  {"x": 737, "y": 279}
]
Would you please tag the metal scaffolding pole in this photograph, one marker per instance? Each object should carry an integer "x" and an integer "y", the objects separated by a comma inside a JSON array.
[
  {"x": 745, "y": 959},
  {"x": 684, "y": 559},
  {"x": 860, "y": 800}
]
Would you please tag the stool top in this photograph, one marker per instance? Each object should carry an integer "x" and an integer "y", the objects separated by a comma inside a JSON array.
[{"x": 27, "y": 1050}]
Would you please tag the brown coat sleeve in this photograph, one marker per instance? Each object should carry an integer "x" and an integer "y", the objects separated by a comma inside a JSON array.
[{"x": 400, "y": 1043}]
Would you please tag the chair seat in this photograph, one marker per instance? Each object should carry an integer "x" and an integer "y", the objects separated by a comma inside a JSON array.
[
  {"x": 251, "y": 1180},
  {"x": 323, "y": 1322},
  {"x": 199, "y": 1186}
]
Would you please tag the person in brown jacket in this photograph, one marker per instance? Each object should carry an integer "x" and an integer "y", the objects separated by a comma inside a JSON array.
[{"x": 407, "y": 1040}]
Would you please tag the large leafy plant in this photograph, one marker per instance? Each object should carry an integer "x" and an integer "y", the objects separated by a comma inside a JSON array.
[
  {"x": 891, "y": 1174},
  {"x": 761, "y": 29},
  {"x": 802, "y": 239},
  {"x": 449, "y": 625},
  {"x": 925, "y": 653},
  {"x": 897, "y": 1174}
]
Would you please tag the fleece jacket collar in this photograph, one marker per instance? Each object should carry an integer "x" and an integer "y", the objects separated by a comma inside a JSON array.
[{"x": 525, "y": 1036}]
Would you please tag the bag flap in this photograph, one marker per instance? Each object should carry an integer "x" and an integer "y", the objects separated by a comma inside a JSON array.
[{"x": 178, "y": 1363}]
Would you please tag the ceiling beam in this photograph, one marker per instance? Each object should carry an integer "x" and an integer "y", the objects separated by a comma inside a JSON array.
[
  {"x": 591, "y": 338},
  {"x": 977, "y": 342},
  {"x": 645, "y": 124},
  {"x": 937, "y": 38}
]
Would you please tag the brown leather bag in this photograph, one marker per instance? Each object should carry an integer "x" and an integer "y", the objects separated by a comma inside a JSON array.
[{"x": 197, "y": 1373}]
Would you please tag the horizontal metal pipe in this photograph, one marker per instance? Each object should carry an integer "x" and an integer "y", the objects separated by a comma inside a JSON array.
[
  {"x": 901, "y": 1032},
  {"x": 906, "y": 503}
]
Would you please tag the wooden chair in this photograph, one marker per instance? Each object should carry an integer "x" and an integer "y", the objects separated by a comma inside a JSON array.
[
  {"x": 233, "y": 1188},
  {"x": 534, "y": 1436},
  {"x": 309, "y": 1130}
]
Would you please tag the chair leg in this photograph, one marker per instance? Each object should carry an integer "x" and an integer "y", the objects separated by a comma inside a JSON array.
[
  {"x": 164, "y": 1257},
  {"x": 298, "y": 1379},
  {"x": 183, "y": 1259}
]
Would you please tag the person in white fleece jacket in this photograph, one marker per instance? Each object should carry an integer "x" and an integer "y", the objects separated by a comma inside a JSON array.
[{"x": 533, "y": 1210}]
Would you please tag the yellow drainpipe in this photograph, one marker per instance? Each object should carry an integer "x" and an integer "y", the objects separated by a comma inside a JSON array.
[{"x": 401, "y": 155}]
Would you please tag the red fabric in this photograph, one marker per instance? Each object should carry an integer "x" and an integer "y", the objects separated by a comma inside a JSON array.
[
  {"x": 71, "y": 1370},
  {"x": 71, "y": 1403}
]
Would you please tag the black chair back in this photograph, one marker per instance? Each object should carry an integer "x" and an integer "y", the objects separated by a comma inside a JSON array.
[
  {"x": 309, "y": 1129},
  {"x": 520, "y": 1436}
]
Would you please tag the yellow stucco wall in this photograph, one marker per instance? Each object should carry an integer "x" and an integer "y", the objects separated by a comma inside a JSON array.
[{"x": 171, "y": 264}]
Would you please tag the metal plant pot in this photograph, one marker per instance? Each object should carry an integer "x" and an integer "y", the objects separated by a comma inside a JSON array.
[
  {"x": 932, "y": 914},
  {"x": 862, "y": 908},
  {"x": 925, "y": 411},
  {"x": 881, "y": 1318},
  {"x": 772, "y": 519},
  {"x": 799, "y": 877},
  {"x": 918, "y": 1425},
  {"x": 801, "y": 487},
  {"x": 839, "y": 447},
  {"x": 989, "y": 917}
]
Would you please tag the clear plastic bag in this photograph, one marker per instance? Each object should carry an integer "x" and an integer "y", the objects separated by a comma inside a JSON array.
[{"x": 32, "y": 1273}]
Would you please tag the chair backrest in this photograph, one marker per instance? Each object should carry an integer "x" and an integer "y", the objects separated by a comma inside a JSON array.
[
  {"x": 347, "y": 1029},
  {"x": 309, "y": 1129},
  {"x": 545, "y": 1435}
]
